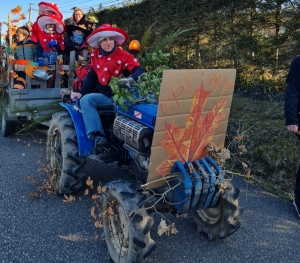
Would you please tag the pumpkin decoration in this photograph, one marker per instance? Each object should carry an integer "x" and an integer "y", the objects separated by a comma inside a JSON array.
[{"x": 31, "y": 67}]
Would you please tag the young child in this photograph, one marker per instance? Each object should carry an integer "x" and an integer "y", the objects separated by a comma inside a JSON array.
[
  {"x": 76, "y": 41},
  {"x": 50, "y": 42},
  {"x": 45, "y": 8},
  {"x": 25, "y": 49}
]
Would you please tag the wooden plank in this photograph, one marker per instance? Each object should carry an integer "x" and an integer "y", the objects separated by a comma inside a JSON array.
[
  {"x": 71, "y": 69},
  {"x": 57, "y": 74}
]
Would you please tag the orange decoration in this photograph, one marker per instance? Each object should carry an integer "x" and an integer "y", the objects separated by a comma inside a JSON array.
[
  {"x": 134, "y": 45},
  {"x": 14, "y": 75},
  {"x": 189, "y": 144},
  {"x": 16, "y": 10},
  {"x": 21, "y": 61}
]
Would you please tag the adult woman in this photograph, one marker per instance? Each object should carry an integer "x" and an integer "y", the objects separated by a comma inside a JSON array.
[
  {"x": 107, "y": 61},
  {"x": 78, "y": 17}
]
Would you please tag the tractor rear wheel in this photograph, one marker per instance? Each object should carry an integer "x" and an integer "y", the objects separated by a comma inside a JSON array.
[
  {"x": 65, "y": 164},
  {"x": 222, "y": 220},
  {"x": 127, "y": 228}
]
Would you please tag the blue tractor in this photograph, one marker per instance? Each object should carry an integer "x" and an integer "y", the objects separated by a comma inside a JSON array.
[{"x": 198, "y": 189}]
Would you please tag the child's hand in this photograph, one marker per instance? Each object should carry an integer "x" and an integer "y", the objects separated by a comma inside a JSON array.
[
  {"x": 41, "y": 62},
  {"x": 52, "y": 43}
]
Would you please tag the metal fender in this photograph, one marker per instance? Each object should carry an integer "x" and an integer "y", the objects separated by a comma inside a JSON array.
[{"x": 85, "y": 146}]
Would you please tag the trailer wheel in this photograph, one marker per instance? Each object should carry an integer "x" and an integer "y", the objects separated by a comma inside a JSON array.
[
  {"x": 127, "y": 229},
  {"x": 222, "y": 220},
  {"x": 65, "y": 165},
  {"x": 7, "y": 127}
]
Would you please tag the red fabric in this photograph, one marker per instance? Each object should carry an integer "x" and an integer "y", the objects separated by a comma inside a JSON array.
[
  {"x": 81, "y": 72},
  {"x": 112, "y": 65},
  {"x": 51, "y": 7},
  {"x": 34, "y": 32},
  {"x": 45, "y": 38}
]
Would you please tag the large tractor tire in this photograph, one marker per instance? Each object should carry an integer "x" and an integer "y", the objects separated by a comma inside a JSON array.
[
  {"x": 222, "y": 220},
  {"x": 127, "y": 229},
  {"x": 8, "y": 127},
  {"x": 65, "y": 165}
]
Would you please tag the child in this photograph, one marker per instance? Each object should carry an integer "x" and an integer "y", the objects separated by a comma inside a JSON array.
[
  {"x": 45, "y": 8},
  {"x": 25, "y": 49},
  {"x": 50, "y": 38},
  {"x": 76, "y": 41}
]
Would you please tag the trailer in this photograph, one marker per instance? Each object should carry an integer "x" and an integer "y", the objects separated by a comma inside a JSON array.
[{"x": 30, "y": 103}]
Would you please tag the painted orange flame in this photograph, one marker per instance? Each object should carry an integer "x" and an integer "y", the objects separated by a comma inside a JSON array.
[{"x": 189, "y": 144}]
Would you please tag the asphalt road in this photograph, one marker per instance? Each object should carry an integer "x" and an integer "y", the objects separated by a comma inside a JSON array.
[{"x": 50, "y": 230}]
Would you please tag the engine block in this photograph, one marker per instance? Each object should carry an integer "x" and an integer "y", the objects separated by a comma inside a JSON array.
[{"x": 133, "y": 133}]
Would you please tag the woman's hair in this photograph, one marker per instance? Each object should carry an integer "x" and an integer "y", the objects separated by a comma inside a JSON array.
[{"x": 77, "y": 9}]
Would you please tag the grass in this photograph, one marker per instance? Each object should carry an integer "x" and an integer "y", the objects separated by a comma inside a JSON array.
[{"x": 260, "y": 144}]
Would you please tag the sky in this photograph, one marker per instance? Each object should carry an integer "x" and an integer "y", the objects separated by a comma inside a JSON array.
[{"x": 64, "y": 6}]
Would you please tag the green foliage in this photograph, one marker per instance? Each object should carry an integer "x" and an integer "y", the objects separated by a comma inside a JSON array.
[
  {"x": 148, "y": 84},
  {"x": 169, "y": 39},
  {"x": 145, "y": 38},
  {"x": 121, "y": 95},
  {"x": 257, "y": 140}
]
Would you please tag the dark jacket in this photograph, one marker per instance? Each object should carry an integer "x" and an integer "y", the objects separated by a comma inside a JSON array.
[
  {"x": 292, "y": 95},
  {"x": 26, "y": 50},
  {"x": 71, "y": 46}
]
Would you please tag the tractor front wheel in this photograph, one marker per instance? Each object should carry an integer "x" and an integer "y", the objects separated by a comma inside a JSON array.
[
  {"x": 127, "y": 226},
  {"x": 223, "y": 219}
]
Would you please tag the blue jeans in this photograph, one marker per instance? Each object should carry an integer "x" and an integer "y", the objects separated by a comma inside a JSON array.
[{"x": 89, "y": 104}]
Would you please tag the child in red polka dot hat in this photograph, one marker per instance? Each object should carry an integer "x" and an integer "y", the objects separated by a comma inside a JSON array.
[
  {"x": 45, "y": 8},
  {"x": 50, "y": 40}
]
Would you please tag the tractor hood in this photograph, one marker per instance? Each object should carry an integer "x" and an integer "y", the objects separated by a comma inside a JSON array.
[{"x": 144, "y": 113}]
